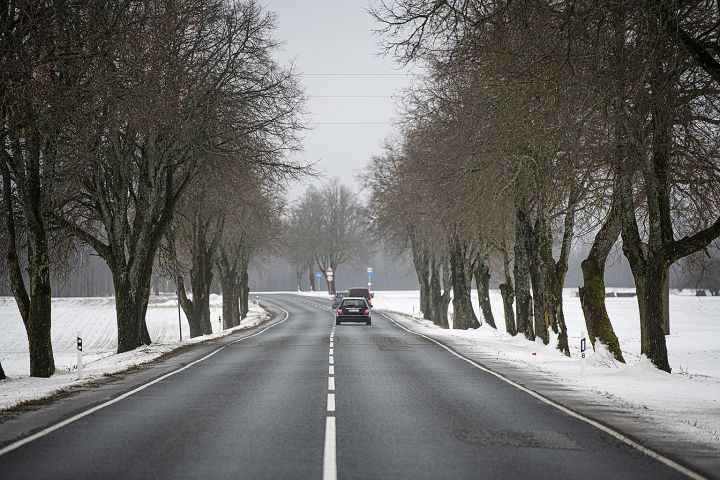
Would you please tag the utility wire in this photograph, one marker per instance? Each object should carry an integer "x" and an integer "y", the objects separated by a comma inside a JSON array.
[
  {"x": 352, "y": 96},
  {"x": 349, "y": 123},
  {"x": 359, "y": 74}
]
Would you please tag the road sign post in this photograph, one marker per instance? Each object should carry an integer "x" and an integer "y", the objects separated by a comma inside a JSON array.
[
  {"x": 79, "y": 355},
  {"x": 582, "y": 352},
  {"x": 369, "y": 275},
  {"x": 329, "y": 275}
]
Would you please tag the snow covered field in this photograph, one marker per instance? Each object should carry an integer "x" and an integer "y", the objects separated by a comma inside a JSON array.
[
  {"x": 686, "y": 401},
  {"x": 95, "y": 317}
]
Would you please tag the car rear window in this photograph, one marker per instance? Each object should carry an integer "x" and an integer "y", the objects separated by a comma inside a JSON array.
[{"x": 354, "y": 303}]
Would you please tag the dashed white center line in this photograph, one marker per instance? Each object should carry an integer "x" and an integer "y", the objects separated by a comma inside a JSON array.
[
  {"x": 330, "y": 452},
  {"x": 329, "y": 460}
]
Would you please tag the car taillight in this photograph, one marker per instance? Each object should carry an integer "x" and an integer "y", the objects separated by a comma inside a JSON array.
[
  {"x": 366, "y": 312},
  {"x": 340, "y": 312}
]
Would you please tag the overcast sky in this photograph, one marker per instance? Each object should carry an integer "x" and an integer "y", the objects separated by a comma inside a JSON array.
[{"x": 350, "y": 86}]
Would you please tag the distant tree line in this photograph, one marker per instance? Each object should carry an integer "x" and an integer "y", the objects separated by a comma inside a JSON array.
[
  {"x": 537, "y": 123},
  {"x": 327, "y": 228},
  {"x": 130, "y": 125}
]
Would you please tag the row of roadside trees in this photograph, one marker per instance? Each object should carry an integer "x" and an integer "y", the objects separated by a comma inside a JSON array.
[
  {"x": 541, "y": 122},
  {"x": 132, "y": 125},
  {"x": 325, "y": 229}
]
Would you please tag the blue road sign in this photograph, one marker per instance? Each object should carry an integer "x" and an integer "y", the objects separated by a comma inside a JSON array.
[
  {"x": 369, "y": 271},
  {"x": 318, "y": 274}
]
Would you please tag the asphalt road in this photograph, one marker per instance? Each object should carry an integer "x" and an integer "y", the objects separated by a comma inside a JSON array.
[{"x": 306, "y": 399}]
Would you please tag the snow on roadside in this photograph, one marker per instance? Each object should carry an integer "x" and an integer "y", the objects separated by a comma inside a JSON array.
[
  {"x": 686, "y": 401},
  {"x": 95, "y": 317}
]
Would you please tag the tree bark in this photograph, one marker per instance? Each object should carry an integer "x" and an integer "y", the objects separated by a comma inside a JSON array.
[
  {"x": 541, "y": 242},
  {"x": 508, "y": 294},
  {"x": 445, "y": 298},
  {"x": 523, "y": 299},
  {"x": 35, "y": 307},
  {"x": 482, "y": 279},
  {"x": 592, "y": 293},
  {"x": 648, "y": 265},
  {"x": 463, "y": 313},
  {"x": 435, "y": 292},
  {"x": 422, "y": 270},
  {"x": 244, "y": 291},
  {"x": 231, "y": 313}
]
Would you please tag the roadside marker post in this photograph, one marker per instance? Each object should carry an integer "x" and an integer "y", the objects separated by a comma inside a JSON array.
[
  {"x": 582, "y": 352},
  {"x": 79, "y": 355}
]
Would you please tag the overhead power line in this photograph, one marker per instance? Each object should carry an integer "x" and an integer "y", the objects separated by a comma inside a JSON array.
[
  {"x": 357, "y": 74},
  {"x": 352, "y": 96},
  {"x": 350, "y": 123}
]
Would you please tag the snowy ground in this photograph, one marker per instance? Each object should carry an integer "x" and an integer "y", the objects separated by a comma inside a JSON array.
[
  {"x": 95, "y": 318},
  {"x": 686, "y": 401}
]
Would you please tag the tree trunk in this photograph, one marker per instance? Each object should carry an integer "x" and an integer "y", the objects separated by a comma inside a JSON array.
[
  {"x": 508, "y": 296},
  {"x": 463, "y": 315},
  {"x": 435, "y": 294},
  {"x": 523, "y": 306},
  {"x": 298, "y": 279},
  {"x": 229, "y": 287},
  {"x": 541, "y": 242},
  {"x": 128, "y": 307},
  {"x": 482, "y": 278},
  {"x": 592, "y": 299},
  {"x": 422, "y": 270},
  {"x": 649, "y": 271},
  {"x": 650, "y": 293},
  {"x": 42, "y": 362},
  {"x": 592, "y": 293},
  {"x": 445, "y": 299},
  {"x": 311, "y": 277},
  {"x": 2, "y": 373},
  {"x": 35, "y": 308},
  {"x": 244, "y": 292}
]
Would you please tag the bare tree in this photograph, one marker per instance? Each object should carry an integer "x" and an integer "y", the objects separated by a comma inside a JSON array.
[
  {"x": 178, "y": 87},
  {"x": 333, "y": 222},
  {"x": 41, "y": 90}
]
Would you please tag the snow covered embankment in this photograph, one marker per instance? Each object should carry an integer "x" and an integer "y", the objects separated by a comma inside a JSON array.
[{"x": 95, "y": 318}]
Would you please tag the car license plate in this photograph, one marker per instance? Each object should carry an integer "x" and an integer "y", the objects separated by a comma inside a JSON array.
[{"x": 353, "y": 310}]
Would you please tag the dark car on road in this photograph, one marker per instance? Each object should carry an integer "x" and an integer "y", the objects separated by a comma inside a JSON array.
[
  {"x": 361, "y": 292},
  {"x": 337, "y": 298},
  {"x": 353, "y": 309}
]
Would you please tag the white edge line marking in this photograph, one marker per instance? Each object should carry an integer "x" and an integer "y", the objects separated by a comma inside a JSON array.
[
  {"x": 329, "y": 455},
  {"x": 74, "y": 418},
  {"x": 619, "y": 436}
]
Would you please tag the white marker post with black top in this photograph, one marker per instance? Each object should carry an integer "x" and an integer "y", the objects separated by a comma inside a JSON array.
[{"x": 79, "y": 355}]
